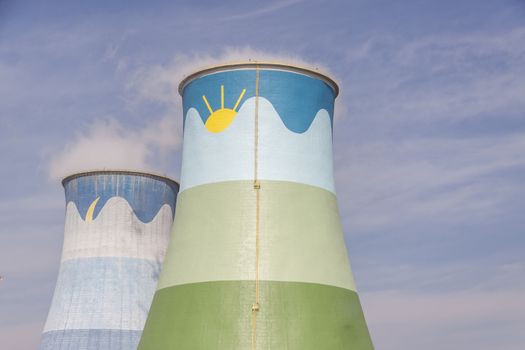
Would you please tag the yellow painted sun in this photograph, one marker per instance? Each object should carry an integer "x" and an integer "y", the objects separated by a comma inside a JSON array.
[{"x": 221, "y": 118}]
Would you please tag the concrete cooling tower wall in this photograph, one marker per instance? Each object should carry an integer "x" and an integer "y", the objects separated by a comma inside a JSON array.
[
  {"x": 116, "y": 234},
  {"x": 257, "y": 258}
]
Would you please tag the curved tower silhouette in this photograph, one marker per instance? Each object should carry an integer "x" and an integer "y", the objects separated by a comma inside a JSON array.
[
  {"x": 257, "y": 258},
  {"x": 116, "y": 234}
]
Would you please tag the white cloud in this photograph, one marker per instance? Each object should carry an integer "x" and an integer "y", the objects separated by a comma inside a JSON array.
[
  {"x": 22, "y": 336},
  {"x": 452, "y": 305},
  {"x": 392, "y": 173},
  {"x": 438, "y": 78},
  {"x": 277, "y": 5},
  {"x": 476, "y": 274},
  {"x": 387, "y": 183},
  {"x": 395, "y": 179},
  {"x": 161, "y": 82},
  {"x": 37, "y": 202},
  {"x": 455, "y": 321},
  {"x": 108, "y": 144},
  {"x": 452, "y": 51},
  {"x": 105, "y": 145}
]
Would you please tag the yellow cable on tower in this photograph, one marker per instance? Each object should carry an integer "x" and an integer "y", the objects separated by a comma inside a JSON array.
[{"x": 256, "y": 187}]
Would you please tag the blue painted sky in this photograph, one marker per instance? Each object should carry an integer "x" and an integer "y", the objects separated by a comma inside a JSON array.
[{"x": 429, "y": 142}]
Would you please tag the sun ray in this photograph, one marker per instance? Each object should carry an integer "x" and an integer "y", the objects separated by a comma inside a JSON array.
[
  {"x": 207, "y": 104},
  {"x": 222, "y": 96},
  {"x": 239, "y": 99}
]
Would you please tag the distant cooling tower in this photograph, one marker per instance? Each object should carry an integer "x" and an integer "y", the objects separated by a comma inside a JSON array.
[
  {"x": 116, "y": 235},
  {"x": 257, "y": 258}
]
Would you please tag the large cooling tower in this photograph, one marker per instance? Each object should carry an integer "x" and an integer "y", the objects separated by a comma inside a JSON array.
[
  {"x": 257, "y": 258},
  {"x": 116, "y": 235}
]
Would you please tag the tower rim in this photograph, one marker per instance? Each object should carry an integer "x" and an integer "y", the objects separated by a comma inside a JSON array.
[
  {"x": 312, "y": 72},
  {"x": 71, "y": 177}
]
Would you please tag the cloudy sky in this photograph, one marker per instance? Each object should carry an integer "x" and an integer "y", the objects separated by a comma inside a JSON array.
[{"x": 429, "y": 142}]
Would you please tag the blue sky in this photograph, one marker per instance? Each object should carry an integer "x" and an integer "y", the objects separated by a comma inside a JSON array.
[{"x": 429, "y": 142}]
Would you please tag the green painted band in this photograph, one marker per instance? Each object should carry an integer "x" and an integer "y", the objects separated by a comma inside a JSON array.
[
  {"x": 214, "y": 235},
  {"x": 292, "y": 316}
]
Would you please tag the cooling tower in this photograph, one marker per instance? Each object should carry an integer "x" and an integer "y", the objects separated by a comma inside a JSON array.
[
  {"x": 116, "y": 234},
  {"x": 257, "y": 258}
]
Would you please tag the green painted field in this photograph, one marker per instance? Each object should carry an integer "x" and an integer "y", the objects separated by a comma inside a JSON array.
[{"x": 292, "y": 316}]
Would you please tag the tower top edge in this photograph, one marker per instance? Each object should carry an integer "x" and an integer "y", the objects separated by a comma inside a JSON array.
[
  {"x": 312, "y": 72},
  {"x": 68, "y": 178}
]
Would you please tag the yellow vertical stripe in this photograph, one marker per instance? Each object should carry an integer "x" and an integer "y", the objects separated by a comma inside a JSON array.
[
  {"x": 222, "y": 96},
  {"x": 257, "y": 188}
]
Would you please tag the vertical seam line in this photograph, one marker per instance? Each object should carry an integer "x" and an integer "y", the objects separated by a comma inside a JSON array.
[{"x": 256, "y": 187}]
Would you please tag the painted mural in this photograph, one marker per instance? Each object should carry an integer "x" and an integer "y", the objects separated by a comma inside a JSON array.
[
  {"x": 116, "y": 234},
  {"x": 257, "y": 258},
  {"x": 278, "y": 149}
]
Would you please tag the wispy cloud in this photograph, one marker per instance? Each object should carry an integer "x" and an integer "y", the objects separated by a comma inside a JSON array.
[
  {"x": 21, "y": 337},
  {"x": 409, "y": 159},
  {"x": 388, "y": 183},
  {"x": 260, "y": 11},
  {"x": 32, "y": 202},
  {"x": 440, "y": 78},
  {"x": 433, "y": 321},
  {"x": 160, "y": 82},
  {"x": 108, "y": 145},
  {"x": 413, "y": 307},
  {"x": 473, "y": 275},
  {"x": 436, "y": 148}
]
